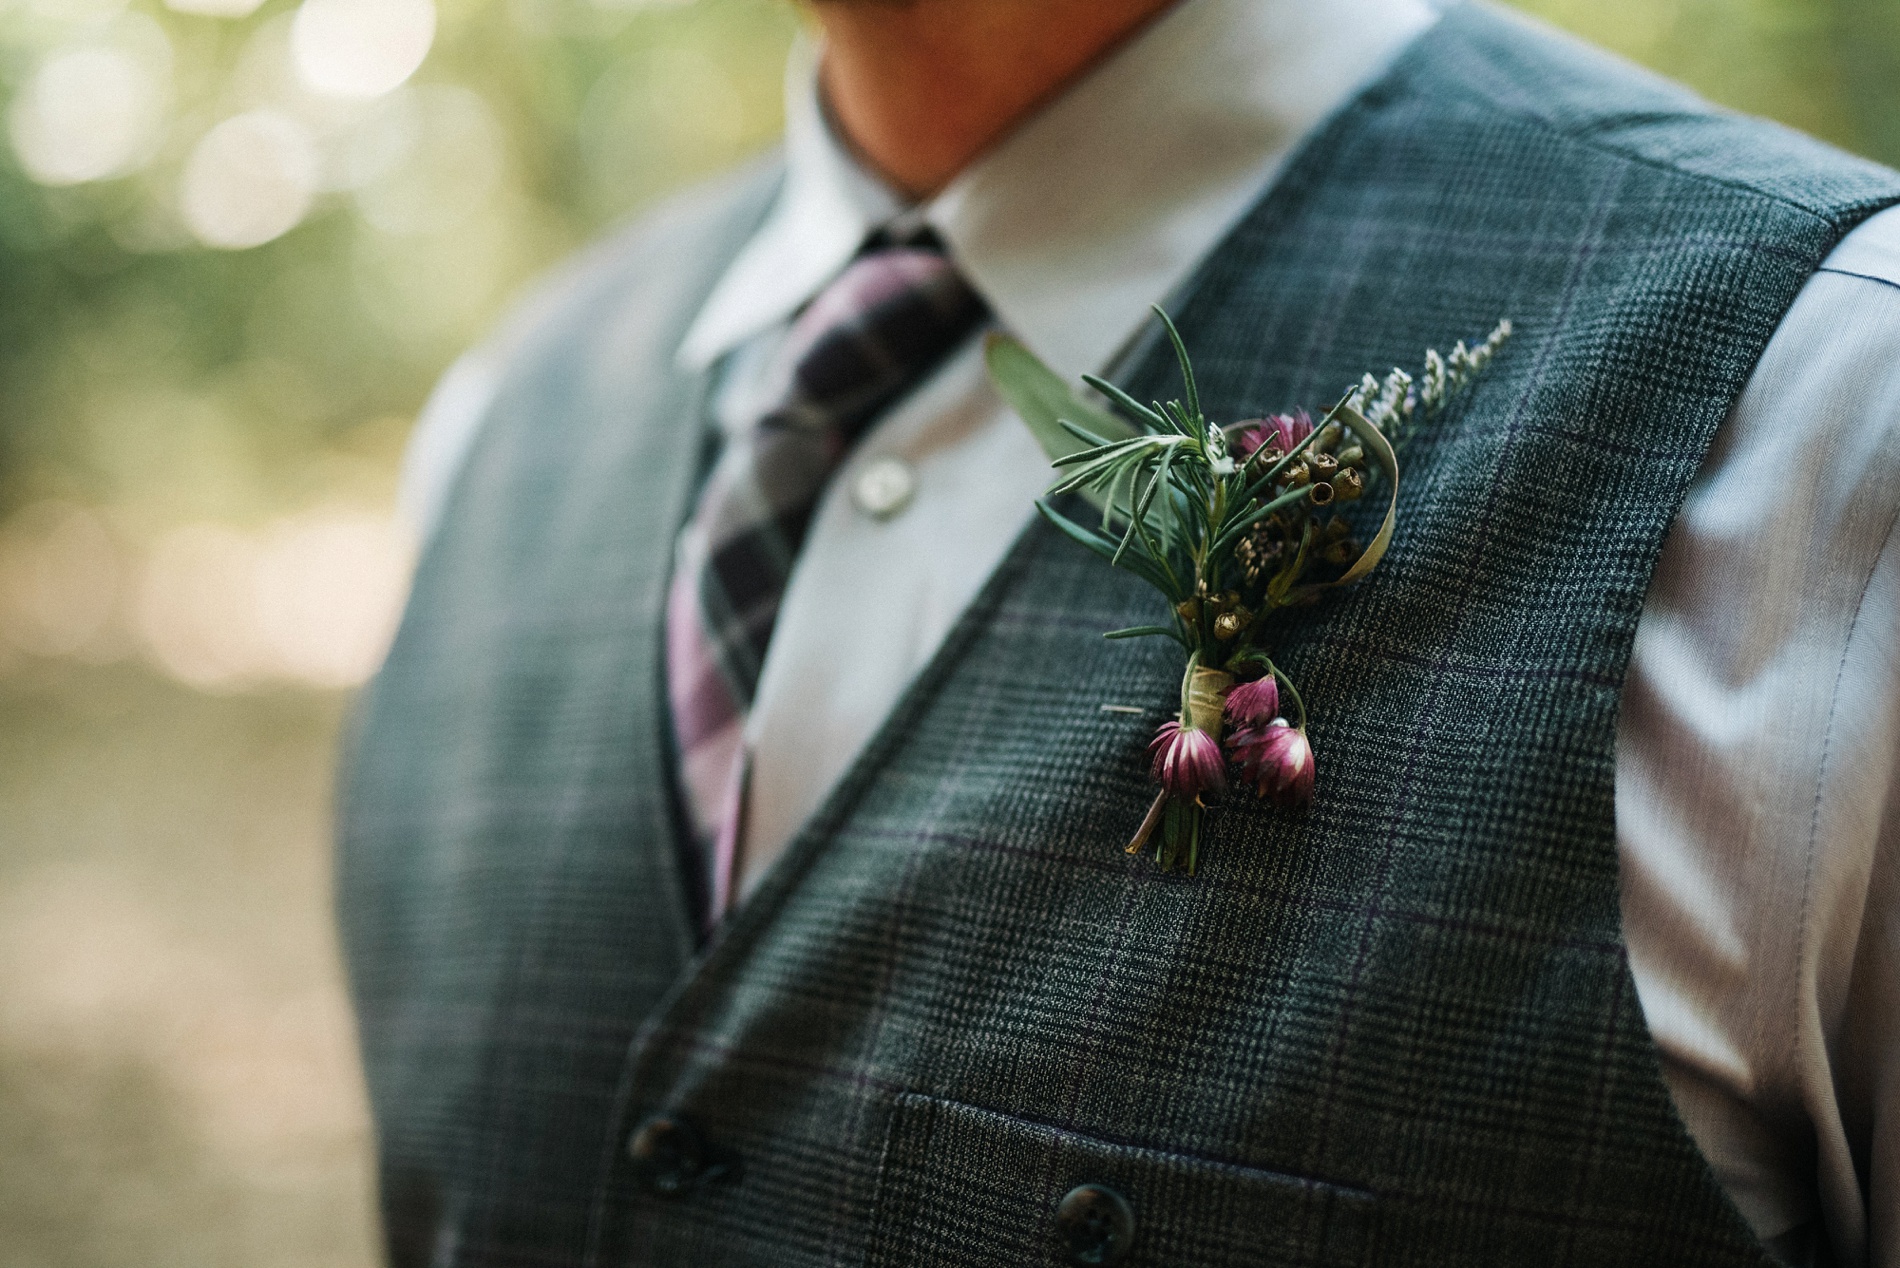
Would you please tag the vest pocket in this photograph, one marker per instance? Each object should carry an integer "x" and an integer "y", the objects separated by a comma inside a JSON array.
[{"x": 970, "y": 1187}]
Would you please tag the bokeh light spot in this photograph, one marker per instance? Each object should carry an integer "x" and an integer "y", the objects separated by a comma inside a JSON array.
[
  {"x": 361, "y": 48},
  {"x": 312, "y": 600},
  {"x": 87, "y": 114},
  {"x": 195, "y": 606},
  {"x": 215, "y": 8},
  {"x": 249, "y": 180},
  {"x": 330, "y": 585}
]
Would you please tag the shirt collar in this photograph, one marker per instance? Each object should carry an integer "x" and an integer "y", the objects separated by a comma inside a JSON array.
[{"x": 1101, "y": 203}]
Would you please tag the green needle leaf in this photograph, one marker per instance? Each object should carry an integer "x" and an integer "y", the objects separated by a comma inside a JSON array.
[
  {"x": 1081, "y": 435},
  {"x": 1144, "y": 631},
  {"x": 1104, "y": 546},
  {"x": 1127, "y": 402},
  {"x": 1187, "y": 367}
]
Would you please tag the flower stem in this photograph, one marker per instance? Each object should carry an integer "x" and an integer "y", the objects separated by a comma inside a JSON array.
[
  {"x": 1291, "y": 691},
  {"x": 1147, "y": 828}
]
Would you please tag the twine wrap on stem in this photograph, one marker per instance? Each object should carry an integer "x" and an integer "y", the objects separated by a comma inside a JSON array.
[{"x": 1205, "y": 699}]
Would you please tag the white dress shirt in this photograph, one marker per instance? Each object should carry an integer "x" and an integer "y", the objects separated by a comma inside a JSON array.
[{"x": 1761, "y": 724}]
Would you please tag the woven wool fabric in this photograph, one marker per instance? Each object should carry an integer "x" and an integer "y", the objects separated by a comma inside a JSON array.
[{"x": 1395, "y": 1029}]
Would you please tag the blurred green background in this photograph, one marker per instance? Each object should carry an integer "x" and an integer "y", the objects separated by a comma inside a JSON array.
[{"x": 238, "y": 241}]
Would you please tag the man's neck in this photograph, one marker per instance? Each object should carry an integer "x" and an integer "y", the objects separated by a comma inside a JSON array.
[{"x": 921, "y": 87}]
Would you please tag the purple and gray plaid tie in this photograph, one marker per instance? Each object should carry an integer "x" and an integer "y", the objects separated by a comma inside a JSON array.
[{"x": 866, "y": 340}]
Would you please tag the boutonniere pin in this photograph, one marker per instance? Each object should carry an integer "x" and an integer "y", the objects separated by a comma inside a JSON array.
[{"x": 1229, "y": 522}]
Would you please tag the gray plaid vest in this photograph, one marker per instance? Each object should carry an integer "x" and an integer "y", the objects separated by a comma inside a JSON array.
[{"x": 1398, "y": 1028}]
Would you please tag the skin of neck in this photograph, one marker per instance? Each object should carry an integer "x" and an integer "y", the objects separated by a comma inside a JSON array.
[{"x": 921, "y": 87}]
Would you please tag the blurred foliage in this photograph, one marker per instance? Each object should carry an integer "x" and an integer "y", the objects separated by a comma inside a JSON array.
[
  {"x": 140, "y": 370},
  {"x": 174, "y": 381},
  {"x": 1827, "y": 67}
]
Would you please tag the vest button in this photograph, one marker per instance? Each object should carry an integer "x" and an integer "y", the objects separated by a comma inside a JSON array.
[
  {"x": 668, "y": 1157},
  {"x": 1094, "y": 1225}
]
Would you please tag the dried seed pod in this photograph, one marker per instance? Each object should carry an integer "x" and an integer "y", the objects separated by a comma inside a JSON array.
[
  {"x": 1348, "y": 485},
  {"x": 1247, "y": 555},
  {"x": 1322, "y": 465},
  {"x": 1258, "y": 551},
  {"x": 1228, "y": 624},
  {"x": 1321, "y": 494},
  {"x": 1351, "y": 456},
  {"x": 1341, "y": 552},
  {"x": 1296, "y": 475},
  {"x": 1189, "y": 610},
  {"x": 1336, "y": 527}
]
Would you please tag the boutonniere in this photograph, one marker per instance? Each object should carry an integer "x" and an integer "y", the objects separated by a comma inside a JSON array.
[{"x": 1230, "y": 523}]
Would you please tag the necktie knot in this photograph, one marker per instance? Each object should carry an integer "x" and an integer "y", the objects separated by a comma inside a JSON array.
[{"x": 885, "y": 321}]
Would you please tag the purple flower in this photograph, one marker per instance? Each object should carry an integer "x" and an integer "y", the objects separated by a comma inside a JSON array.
[
  {"x": 1187, "y": 760},
  {"x": 1251, "y": 702},
  {"x": 1277, "y": 760},
  {"x": 1281, "y": 432}
]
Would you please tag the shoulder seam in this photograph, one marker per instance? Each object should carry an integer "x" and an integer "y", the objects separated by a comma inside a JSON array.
[
  {"x": 1836, "y": 218},
  {"x": 1626, "y": 155}
]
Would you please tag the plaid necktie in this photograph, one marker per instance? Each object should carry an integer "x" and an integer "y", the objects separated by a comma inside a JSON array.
[{"x": 869, "y": 337}]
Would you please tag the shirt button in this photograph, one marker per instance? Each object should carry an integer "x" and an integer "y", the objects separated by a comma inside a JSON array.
[
  {"x": 668, "y": 1157},
  {"x": 1094, "y": 1225},
  {"x": 884, "y": 486}
]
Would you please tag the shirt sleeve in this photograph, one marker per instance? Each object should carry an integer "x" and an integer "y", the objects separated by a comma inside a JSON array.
[{"x": 1758, "y": 809}]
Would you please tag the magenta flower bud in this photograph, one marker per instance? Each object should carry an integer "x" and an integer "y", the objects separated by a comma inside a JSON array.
[
  {"x": 1187, "y": 760},
  {"x": 1282, "y": 432},
  {"x": 1251, "y": 702},
  {"x": 1278, "y": 760}
]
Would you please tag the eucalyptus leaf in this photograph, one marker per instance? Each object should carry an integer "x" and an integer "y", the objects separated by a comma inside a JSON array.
[
  {"x": 1138, "y": 564},
  {"x": 1044, "y": 402},
  {"x": 1039, "y": 395}
]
